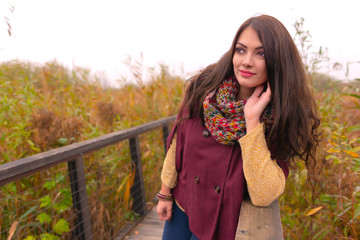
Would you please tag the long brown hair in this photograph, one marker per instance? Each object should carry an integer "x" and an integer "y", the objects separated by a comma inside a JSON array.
[{"x": 295, "y": 112}]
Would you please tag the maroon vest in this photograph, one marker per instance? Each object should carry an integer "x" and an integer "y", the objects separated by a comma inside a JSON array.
[{"x": 211, "y": 182}]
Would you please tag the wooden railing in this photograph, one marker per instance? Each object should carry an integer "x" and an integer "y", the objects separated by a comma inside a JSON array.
[
  {"x": 259, "y": 223},
  {"x": 255, "y": 223},
  {"x": 73, "y": 155}
]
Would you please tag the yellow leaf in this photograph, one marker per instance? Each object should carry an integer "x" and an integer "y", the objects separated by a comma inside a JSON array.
[
  {"x": 332, "y": 150},
  {"x": 352, "y": 141},
  {"x": 356, "y": 149},
  {"x": 313, "y": 211},
  {"x": 12, "y": 230},
  {"x": 127, "y": 193},
  {"x": 351, "y": 153},
  {"x": 122, "y": 184},
  {"x": 332, "y": 143}
]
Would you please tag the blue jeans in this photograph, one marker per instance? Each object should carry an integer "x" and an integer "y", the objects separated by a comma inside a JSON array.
[{"x": 178, "y": 227}]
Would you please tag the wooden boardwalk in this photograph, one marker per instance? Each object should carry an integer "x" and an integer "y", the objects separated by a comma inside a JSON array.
[
  {"x": 150, "y": 228},
  {"x": 256, "y": 223}
]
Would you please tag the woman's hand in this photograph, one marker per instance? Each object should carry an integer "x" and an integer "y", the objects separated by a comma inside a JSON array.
[
  {"x": 255, "y": 105},
  {"x": 164, "y": 210}
]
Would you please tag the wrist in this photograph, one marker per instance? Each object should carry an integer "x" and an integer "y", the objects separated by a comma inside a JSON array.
[
  {"x": 251, "y": 125},
  {"x": 163, "y": 197},
  {"x": 165, "y": 190}
]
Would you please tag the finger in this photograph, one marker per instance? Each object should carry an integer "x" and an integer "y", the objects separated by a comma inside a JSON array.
[
  {"x": 257, "y": 92},
  {"x": 161, "y": 217},
  {"x": 268, "y": 90},
  {"x": 168, "y": 214},
  {"x": 267, "y": 93},
  {"x": 268, "y": 87},
  {"x": 161, "y": 213}
]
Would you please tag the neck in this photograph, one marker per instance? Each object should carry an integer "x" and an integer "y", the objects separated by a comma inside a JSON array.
[{"x": 244, "y": 93}]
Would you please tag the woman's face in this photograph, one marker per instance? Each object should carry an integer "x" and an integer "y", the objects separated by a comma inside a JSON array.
[{"x": 249, "y": 60}]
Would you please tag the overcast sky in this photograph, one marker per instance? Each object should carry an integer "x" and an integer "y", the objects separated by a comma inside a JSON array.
[{"x": 187, "y": 35}]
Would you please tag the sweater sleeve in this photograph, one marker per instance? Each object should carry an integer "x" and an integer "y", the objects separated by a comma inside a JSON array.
[
  {"x": 265, "y": 178},
  {"x": 169, "y": 174}
]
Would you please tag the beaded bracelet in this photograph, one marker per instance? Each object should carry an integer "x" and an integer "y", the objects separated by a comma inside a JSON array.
[{"x": 164, "y": 197}]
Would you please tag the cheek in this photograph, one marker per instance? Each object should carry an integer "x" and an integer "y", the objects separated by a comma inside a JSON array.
[
  {"x": 235, "y": 61},
  {"x": 264, "y": 76},
  {"x": 264, "y": 72}
]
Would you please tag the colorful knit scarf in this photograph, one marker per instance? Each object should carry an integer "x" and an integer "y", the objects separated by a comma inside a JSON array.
[{"x": 224, "y": 116}]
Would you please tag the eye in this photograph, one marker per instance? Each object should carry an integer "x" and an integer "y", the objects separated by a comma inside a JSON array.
[
  {"x": 239, "y": 50},
  {"x": 261, "y": 53}
]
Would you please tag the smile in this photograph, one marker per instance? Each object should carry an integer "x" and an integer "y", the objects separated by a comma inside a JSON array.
[{"x": 246, "y": 73}]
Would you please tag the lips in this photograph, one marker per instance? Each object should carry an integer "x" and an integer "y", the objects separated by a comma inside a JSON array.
[{"x": 246, "y": 73}]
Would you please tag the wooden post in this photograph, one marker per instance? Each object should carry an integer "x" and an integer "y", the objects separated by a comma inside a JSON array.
[
  {"x": 165, "y": 131},
  {"x": 137, "y": 189},
  {"x": 82, "y": 229},
  {"x": 259, "y": 223}
]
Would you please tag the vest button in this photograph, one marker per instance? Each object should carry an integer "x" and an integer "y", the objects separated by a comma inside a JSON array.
[
  {"x": 217, "y": 189},
  {"x": 197, "y": 179},
  {"x": 205, "y": 133}
]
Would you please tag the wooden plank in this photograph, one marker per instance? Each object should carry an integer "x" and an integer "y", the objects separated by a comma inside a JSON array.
[
  {"x": 259, "y": 223},
  {"x": 29, "y": 165},
  {"x": 255, "y": 223},
  {"x": 151, "y": 228},
  {"x": 129, "y": 226}
]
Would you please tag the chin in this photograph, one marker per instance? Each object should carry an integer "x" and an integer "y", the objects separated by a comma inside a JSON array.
[{"x": 247, "y": 84}]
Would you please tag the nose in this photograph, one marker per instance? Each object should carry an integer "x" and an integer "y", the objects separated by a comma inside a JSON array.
[{"x": 247, "y": 61}]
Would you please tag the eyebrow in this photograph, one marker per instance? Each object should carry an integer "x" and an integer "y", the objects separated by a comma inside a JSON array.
[{"x": 261, "y": 47}]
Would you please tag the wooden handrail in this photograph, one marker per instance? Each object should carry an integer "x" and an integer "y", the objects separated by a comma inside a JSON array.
[
  {"x": 73, "y": 155},
  {"x": 259, "y": 223},
  {"x": 30, "y": 165}
]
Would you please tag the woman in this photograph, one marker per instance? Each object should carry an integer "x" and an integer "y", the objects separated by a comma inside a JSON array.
[{"x": 242, "y": 122}]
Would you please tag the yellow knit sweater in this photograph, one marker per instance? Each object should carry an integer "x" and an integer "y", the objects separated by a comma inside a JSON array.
[{"x": 265, "y": 179}]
